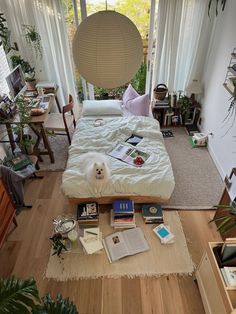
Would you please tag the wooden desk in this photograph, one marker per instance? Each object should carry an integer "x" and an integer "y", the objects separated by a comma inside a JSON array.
[{"x": 36, "y": 124}]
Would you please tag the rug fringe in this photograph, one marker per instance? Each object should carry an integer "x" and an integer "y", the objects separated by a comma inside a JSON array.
[{"x": 118, "y": 276}]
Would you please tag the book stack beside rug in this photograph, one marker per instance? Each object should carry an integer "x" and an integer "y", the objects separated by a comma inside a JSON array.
[
  {"x": 152, "y": 214},
  {"x": 122, "y": 214},
  {"x": 88, "y": 214}
]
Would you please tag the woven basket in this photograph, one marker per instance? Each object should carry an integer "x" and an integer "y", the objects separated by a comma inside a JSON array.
[{"x": 160, "y": 91}]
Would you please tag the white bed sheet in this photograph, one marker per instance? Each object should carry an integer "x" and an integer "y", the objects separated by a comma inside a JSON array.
[{"x": 154, "y": 178}]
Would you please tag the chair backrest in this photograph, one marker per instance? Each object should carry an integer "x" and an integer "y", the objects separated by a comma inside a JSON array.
[{"x": 67, "y": 108}]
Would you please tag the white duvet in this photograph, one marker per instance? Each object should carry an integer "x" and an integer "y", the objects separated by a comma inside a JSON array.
[{"x": 154, "y": 178}]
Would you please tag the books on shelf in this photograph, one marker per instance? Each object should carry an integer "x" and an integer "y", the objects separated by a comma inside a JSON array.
[
  {"x": 92, "y": 240},
  {"x": 229, "y": 275},
  {"x": 121, "y": 244},
  {"x": 88, "y": 214},
  {"x": 228, "y": 251},
  {"x": 161, "y": 103},
  {"x": 122, "y": 214},
  {"x": 129, "y": 154},
  {"x": 152, "y": 213},
  {"x": 164, "y": 234}
]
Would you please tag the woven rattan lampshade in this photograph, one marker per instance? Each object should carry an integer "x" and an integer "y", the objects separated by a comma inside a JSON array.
[{"x": 107, "y": 49}]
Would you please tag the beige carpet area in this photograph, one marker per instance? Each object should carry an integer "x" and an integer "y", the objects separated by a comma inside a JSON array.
[
  {"x": 159, "y": 260},
  {"x": 198, "y": 184}
]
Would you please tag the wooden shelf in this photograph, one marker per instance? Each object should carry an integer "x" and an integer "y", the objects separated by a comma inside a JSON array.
[
  {"x": 232, "y": 70},
  {"x": 216, "y": 297},
  {"x": 228, "y": 90}
]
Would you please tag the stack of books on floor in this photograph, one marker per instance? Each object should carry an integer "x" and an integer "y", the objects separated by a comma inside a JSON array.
[
  {"x": 122, "y": 214},
  {"x": 152, "y": 214},
  {"x": 229, "y": 275},
  {"x": 88, "y": 214},
  {"x": 91, "y": 240}
]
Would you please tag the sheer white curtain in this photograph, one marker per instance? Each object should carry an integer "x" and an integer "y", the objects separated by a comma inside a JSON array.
[
  {"x": 48, "y": 17},
  {"x": 182, "y": 39}
]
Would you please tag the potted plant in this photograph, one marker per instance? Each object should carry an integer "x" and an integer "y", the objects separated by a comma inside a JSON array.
[
  {"x": 227, "y": 218},
  {"x": 21, "y": 296},
  {"x": 5, "y": 35},
  {"x": 223, "y": 3},
  {"x": 24, "y": 140},
  {"x": 58, "y": 244},
  {"x": 27, "y": 69},
  {"x": 33, "y": 39},
  {"x": 184, "y": 104}
]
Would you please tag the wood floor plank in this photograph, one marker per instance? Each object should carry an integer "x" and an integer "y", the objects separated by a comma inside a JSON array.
[
  {"x": 27, "y": 248},
  {"x": 151, "y": 295},
  {"x": 112, "y": 296},
  {"x": 131, "y": 304}
]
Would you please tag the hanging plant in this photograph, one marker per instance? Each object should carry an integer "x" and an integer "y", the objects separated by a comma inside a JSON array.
[
  {"x": 231, "y": 115},
  {"x": 5, "y": 35},
  {"x": 33, "y": 39},
  {"x": 222, "y": 4}
]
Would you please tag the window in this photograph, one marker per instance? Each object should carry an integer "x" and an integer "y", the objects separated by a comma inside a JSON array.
[{"x": 4, "y": 71}]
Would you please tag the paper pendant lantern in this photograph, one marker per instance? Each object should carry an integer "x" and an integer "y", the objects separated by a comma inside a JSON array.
[{"x": 107, "y": 49}]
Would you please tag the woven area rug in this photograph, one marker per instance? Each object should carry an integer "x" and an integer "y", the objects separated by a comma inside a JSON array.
[
  {"x": 198, "y": 184},
  {"x": 59, "y": 145},
  {"x": 158, "y": 261}
]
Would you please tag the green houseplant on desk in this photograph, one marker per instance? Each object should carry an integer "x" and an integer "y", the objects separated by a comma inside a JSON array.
[{"x": 25, "y": 141}]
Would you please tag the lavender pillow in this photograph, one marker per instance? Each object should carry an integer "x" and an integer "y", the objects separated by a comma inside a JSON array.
[
  {"x": 130, "y": 93},
  {"x": 139, "y": 106}
]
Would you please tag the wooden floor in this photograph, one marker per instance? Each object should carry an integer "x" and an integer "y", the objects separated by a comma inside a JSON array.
[{"x": 26, "y": 252}]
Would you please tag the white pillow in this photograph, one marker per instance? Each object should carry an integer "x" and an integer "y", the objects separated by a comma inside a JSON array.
[{"x": 102, "y": 108}]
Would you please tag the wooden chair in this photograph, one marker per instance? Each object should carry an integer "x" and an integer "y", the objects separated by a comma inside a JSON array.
[{"x": 58, "y": 122}]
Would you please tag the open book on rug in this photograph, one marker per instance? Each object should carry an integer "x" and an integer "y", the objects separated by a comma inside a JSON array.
[
  {"x": 129, "y": 154},
  {"x": 125, "y": 243}
]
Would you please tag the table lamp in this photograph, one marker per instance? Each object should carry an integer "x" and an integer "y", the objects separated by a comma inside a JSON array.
[{"x": 194, "y": 88}]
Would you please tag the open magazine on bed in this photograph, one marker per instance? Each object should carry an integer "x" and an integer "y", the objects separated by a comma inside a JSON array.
[{"x": 129, "y": 154}]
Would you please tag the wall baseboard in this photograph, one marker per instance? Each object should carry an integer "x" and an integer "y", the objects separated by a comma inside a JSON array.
[{"x": 216, "y": 162}]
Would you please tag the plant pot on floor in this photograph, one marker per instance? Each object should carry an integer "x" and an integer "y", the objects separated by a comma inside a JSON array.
[{"x": 26, "y": 144}]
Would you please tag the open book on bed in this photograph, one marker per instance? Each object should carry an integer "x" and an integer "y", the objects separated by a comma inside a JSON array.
[
  {"x": 125, "y": 243},
  {"x": 129, "y": 154}
]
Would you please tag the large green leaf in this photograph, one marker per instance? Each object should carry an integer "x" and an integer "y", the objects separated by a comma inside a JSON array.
[
  {"x": 17, "y": 295},
  {"x": 58, "y": 306}
]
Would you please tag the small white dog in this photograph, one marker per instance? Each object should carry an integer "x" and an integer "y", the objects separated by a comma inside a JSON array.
[{"x": 96, "y": 170}]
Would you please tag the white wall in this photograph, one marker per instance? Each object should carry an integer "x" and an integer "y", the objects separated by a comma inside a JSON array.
[{"x": 215, "y": 101}]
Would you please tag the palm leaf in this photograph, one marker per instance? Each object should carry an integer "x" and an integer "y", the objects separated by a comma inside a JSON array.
[
  {"x": 58, "y": 306},
  {"x": 228, "y": 227},
  {"x": 225, "y": 222},
  {"x": 217, "y": 219},
  {"x": 17, "y": 296}
]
